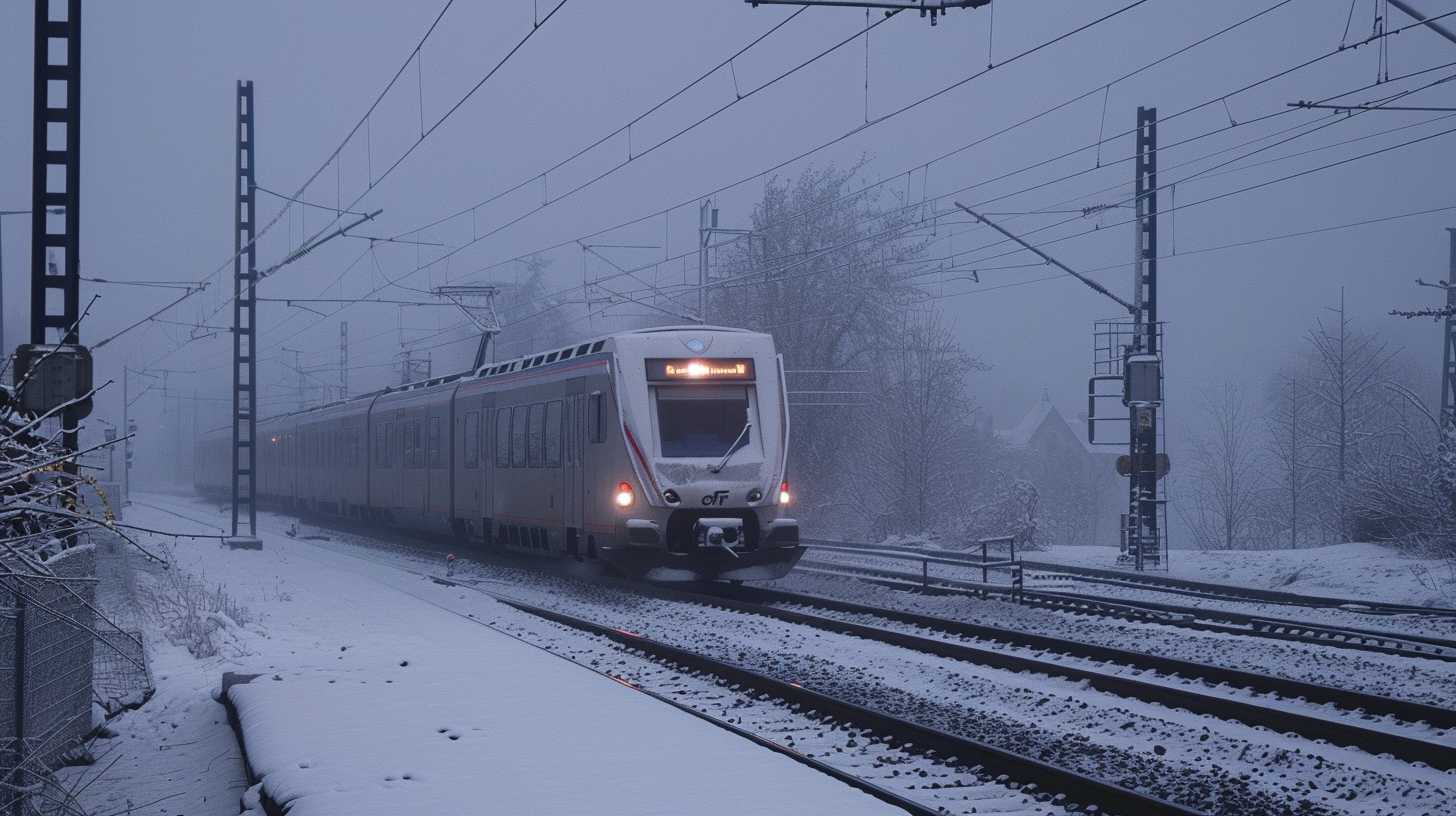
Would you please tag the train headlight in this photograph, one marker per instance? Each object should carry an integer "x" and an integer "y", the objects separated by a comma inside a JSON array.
[
  {"x": 623, "y": 496},
  {"x": 784, "y": 493}
]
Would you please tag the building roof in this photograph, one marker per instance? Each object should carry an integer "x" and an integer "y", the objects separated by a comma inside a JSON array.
[{"x": 1024, "y": 432}]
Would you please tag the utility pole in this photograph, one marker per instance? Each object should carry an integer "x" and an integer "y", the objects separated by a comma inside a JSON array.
[
  {"x": 56, "y": 190},
  {"x": 707, "y": 220},
  {"x": 1143, "y": 501},
  {"x": 1448, "y": 364},
  {"x": 126, "y": 429},
  {"x": 245, "y": 348},
  {"x": 1293, "y": 463},
  {"x": 343, "y": 359},
  {"x": 1137, "y": 363},
  {"x": 707, "y": 228}
]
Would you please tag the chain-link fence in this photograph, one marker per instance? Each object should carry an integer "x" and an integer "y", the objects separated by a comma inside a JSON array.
[{"x": 60, "y": 653}]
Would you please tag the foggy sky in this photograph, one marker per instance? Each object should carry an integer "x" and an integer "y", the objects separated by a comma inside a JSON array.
[{"x": 157, "y": 157}]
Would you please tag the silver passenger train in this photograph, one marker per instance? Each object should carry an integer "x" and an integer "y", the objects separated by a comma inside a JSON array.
[{"x": 660, "y": 452}]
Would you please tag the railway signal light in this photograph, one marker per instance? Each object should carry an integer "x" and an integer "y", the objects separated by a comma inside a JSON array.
[{"x": 624, "y": 497}]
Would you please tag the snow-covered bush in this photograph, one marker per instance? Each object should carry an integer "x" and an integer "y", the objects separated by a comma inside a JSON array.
[
  {"x": 192, "y": 613},
  {"x": 1009, "y": 507}
]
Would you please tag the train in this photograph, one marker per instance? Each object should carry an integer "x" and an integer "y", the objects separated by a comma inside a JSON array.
[{"x": 659, "y": 453}]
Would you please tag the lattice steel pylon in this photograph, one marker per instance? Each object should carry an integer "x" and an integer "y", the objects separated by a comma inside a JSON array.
[
  {"x": 1144, "y": 504},
  {"x": 245, "y": 358},
  {"x": 56, "y": 162},
  {"x": 478, "y": 304}
]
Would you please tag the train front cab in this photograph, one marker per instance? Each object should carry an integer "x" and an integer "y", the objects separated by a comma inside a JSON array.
[{"x": 705, "y": 432}]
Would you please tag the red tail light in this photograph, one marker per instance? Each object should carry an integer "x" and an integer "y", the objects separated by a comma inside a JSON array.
[
  {"x": 784, "y": 493},
  {"x": 624, "y": 496}
]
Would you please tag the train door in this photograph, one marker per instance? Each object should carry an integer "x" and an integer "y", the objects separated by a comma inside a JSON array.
[
  {"x": 572, "y": 438},
  {"x": 437, "y": 435}
]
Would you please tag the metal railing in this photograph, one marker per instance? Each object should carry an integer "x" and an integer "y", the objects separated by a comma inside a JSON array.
[{"x": 951, "y": 558}]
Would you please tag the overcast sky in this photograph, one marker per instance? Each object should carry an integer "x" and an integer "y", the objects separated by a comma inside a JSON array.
[{"x": 157, "y": 157}]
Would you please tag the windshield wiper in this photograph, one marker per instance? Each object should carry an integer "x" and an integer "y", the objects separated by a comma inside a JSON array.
[{"x": 734, "y": 448}]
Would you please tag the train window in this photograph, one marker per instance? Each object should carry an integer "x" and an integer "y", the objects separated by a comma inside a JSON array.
[
  {"x": 503, "y": 438},
  {"x": 472, "y": 439},
  {"x": 597, "y": 418},
  {"x": 518, "y": 436},
  {"x": 581, "y": 349},
  {"x": 537, "y": 361},
  {"x": 568, "y": 431},
  {"x": 702, "y": 421},
  {"x": 484, "y": 437},
  {"x": 552, "y": 447},
  {"x": 565, "y": 353},
  {"x": 437, "y": 447},
  {"x": 551, "y": 358},
  {"x": 597, "y": 346},
  {"x": 417, "y": 444},
  {"x": 535, "y": 428}
]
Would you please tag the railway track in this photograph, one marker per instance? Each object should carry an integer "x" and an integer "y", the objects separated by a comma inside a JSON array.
[
  {"x": 1108, "y": 796},
  {"x": 1206, "y": 700},
  {"x": 1178, "y": 586},
  {"x": 1075, "y": 790},
  {"x": 993, "y": 764},
  {"x": 1402, "y": 644}
]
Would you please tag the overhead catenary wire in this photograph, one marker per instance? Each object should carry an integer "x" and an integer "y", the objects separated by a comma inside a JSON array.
[
  {"x": 1020, "y": 55},
  {"x": 373, "y": 182},
  {"x": 1099, "y": 87},
  {"x": 958, "y": 150}
]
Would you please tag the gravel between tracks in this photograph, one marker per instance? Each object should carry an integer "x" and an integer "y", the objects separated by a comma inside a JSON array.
[{"x": 1415, "y": 679}]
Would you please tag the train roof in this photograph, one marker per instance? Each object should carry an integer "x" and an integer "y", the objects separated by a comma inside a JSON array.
[{"x": 525, "y": 361}]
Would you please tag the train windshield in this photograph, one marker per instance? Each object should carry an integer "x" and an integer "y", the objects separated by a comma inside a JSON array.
[{"x": 702, "y": 422}]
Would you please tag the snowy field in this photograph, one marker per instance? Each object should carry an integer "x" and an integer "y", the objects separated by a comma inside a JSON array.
[
  {"x": 375, "y": 697},
  {"x": 1359, "y": 571}
]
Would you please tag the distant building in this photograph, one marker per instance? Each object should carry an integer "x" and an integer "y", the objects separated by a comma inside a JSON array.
[{"x": 1080, "y": 494}]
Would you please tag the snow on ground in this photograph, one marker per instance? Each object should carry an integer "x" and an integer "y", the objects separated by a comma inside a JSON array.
[
  {"x": 1357, "y": 571},
  {"x": 375, "y": 698}
]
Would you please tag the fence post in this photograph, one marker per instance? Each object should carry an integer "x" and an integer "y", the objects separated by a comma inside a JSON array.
[{"x": 18, "y": 804}]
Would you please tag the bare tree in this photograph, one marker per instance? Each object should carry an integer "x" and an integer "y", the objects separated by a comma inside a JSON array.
[
  {"x": 821, "y": 272},
  {"x": 1346, "y": 387},
  {"x": 1290, "y": 424},
  {"x": 1226, "y": 504},
  {"x": 918, "y": 449}
]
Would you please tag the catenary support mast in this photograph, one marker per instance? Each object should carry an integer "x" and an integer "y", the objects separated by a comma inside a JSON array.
[
  {"x": 1143, "y": 501},
  {"x": 55, "y": 214},
  {"x": 245, "y": 359}
]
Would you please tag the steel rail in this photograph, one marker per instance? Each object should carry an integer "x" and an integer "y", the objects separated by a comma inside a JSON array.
[
  {"x": 1197, "y": 618},
  {"x": 1164, "y": 582},
  {"x": 757, "y": 601},
  {"x": 1407, "y": 710},
  {"x": 1074, "y": 785},
  {"x": 1445, "y": 647}
]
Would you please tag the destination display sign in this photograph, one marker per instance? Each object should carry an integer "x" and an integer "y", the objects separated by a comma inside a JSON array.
[{"x": 661, "y": 369}]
